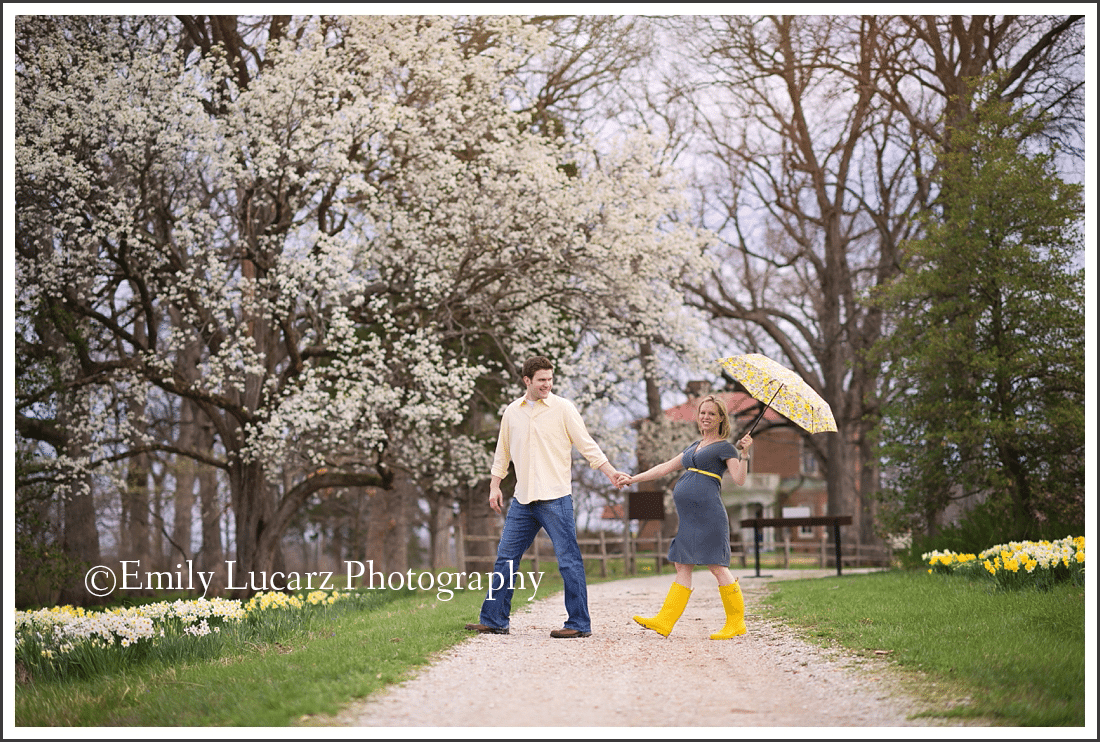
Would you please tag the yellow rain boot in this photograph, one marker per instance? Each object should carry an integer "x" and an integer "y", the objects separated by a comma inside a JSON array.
[
  {"x": 675, "y": 602},
  {"x": 734, "y": 603}
]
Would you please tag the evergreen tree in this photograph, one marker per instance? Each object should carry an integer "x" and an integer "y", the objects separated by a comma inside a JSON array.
[{"x": 988, "y": 352}]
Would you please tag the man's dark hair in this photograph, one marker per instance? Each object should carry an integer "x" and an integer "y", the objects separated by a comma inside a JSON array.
[{"x": 536, "y": 363}]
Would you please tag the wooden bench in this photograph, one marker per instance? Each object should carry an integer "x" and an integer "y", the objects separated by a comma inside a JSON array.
[{"x": 836, "y": 521}]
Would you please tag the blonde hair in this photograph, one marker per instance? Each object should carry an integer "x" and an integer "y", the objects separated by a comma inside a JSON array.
[{"x": 725, "y": 427}]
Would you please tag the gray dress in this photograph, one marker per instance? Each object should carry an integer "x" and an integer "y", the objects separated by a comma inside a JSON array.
[{"x": 703, "y": 536}]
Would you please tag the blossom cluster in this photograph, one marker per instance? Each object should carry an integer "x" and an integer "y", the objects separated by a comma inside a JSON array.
[
  {"x": 275, "y": 600},
  {"x": 191, "y": 611},
  {"x": 946, "y": 561},
  {"x": 1017, "y": 563},
  {"x": 272, "y": 601},
  {"x": 62, "y": 629},
  {"x": 202, "y": 628},
  {"x": 67, "y": 634},
  {"x": 65, "y": 627}
]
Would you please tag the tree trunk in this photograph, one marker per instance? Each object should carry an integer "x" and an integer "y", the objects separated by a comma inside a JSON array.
[
  {"x": 135, "y": 529},
  {"x": 441, "y": 519},
  {"x": 160, "y": 556},
  {"x": 400, "y": 501},
  {"x": 375, "y": 551},
  {"x": 183, "y": 505},
  {"x": 868, "y": 487},
  {"x": 256, "y": 542},
  {"x": 387, "y": 530},
  {"x": 185, "y": 475},
  {"x": 80, "y": 537},
  {"x": 211, "y": 556}
]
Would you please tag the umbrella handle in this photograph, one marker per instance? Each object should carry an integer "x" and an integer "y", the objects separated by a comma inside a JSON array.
[{"x": 761, "y": 415}]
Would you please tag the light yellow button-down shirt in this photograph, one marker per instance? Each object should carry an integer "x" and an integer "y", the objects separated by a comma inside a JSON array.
[{"x": 538, "y": 439}]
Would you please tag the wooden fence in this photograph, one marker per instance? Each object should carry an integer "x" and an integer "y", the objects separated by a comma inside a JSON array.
[
  {"x": 606, "y": 548},
  {"x": 592, "y": 549}
]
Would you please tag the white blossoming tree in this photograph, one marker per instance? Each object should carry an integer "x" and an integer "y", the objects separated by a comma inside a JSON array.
[{"x": 331, "y": 238}]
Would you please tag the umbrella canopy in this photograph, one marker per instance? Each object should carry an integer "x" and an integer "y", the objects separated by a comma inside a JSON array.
[{"x": 781, "y": 389}]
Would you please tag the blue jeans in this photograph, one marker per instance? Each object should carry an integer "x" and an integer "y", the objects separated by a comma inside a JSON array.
[{"x": 521, "y": 525}]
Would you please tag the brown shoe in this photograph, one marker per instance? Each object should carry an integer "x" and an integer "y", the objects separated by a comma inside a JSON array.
[
  {"x": 569, "y": 634},
  {"x": 482, "y": 629}
]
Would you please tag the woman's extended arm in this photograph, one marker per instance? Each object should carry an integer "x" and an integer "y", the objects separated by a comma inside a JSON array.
[{"x": 656, "y": 472}]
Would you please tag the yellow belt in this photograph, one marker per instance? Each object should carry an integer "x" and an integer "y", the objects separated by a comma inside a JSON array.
[{"x": 709, "y": 474}]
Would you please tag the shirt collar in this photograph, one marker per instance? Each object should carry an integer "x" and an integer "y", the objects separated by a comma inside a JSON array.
[{"x": 545, "y": 402}]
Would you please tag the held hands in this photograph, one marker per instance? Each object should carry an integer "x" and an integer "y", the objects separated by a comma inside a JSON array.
[
  {"x": 744, "y": 444},
  {"x": 619, "y": 479}
]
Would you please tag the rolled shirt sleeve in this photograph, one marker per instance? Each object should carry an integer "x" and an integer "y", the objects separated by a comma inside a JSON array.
[
  {"x": 503, "y": 453},
  {"x": 579, "y": 436}
]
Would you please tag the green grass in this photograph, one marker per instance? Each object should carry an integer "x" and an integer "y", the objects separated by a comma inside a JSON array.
[
  {"x": 283, "y": 681},
  {"x": 1018, "y": 657},
  {"x": 258, "y": 683}
]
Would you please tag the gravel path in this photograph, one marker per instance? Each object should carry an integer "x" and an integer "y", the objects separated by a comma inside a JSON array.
[{"x": 626, "y": 676}]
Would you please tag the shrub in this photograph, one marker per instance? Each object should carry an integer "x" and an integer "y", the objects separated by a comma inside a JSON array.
[{"x": 983, "y": 525}]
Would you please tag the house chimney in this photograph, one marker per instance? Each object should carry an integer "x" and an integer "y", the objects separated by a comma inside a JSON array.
[{"x": 696, "y": 389}]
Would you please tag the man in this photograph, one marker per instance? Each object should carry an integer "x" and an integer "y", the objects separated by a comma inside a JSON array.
[{"x": 537, "y": 434}]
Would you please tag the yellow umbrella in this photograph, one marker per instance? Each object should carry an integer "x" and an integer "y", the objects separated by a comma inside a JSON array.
[{"x": 781, "y": 389}]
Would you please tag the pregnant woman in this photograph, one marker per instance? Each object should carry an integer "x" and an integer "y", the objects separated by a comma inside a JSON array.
[{"x": 703, "y": 536}]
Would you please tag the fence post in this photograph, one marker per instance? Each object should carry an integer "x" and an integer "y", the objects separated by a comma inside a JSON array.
[
  {"x": 786, "y": 548},
  {"x": 756, "y": 539},
  {"x": 626, "y": 539},
  {"x": 836, "y": 541},
  {"x": 460, "y": 544},
  {"x": 603, "y": 554}
]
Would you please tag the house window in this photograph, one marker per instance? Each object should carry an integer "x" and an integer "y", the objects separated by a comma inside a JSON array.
[
  {"x": 809, "y": 460},
  {"x": 805, "y": 531}
]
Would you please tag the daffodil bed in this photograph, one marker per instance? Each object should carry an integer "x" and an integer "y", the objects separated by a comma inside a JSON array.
[
  {"x": 64, "y": 641},
  {"x": 1017, "y": 564}
]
